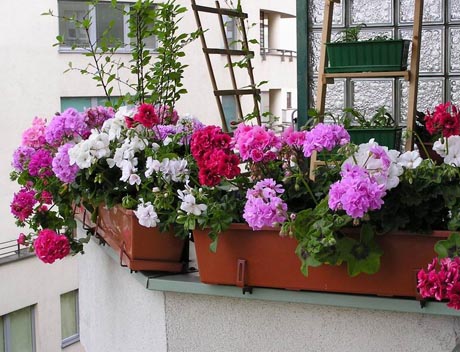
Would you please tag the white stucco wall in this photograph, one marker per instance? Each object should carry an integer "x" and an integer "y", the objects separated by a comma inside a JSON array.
[
  {"x": 208, "y": 324},
  {"x": 122, "y": 315},
  {"x": 117, "y": 313},
  {"x": 29, "y": 282}
]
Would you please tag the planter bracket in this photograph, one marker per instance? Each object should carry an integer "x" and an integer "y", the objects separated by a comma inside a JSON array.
[{"x": 241, "y": 266}]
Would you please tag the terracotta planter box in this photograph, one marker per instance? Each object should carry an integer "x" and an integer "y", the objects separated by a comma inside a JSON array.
[
  {"x": 140, "y": 248},
  {"x": 264, "y": 259}
]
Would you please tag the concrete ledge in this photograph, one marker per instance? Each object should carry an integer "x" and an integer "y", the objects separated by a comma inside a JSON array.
[{"x": 190, "y": 283}]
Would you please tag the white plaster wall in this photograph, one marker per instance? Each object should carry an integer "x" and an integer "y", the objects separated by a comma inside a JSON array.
[
  {"x": 29, "y": 282},
  {"x": 117, "y": 313},
  {"x": 198, "y": 323}
]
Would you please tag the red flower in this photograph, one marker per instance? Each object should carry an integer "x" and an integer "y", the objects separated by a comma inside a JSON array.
[
  {"x": 22, "y": 239},
  {"x": 444, "y": 120},
  {"x": 147, "y": 116},
  {"x": 49, "y": 246}
]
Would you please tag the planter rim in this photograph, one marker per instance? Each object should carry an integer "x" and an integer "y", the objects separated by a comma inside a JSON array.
[
  {"x": 369, "y": 41},
  {"x": 434, "y": 233},
  {"x": 119, "y": 207},
  {"x": 352, "y": 128}
]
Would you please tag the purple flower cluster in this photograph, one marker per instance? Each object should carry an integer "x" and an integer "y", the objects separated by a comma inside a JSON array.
[
  {"x": 23, "y": 203},
  {"x": 95, "y": 117},
  {"x": 61, "y": 164},
  {"x": 68, "y": 125},
  {"x": 324, "y": 136},
  {"x": 21, "y": 157},
  {"x": 256, "y": 143},
  {"x": 163, "y": 131},
  {"x": 263, "y": 206},
  {"x": 356, "y": 193},
  {"x": 443, "y": 283},
  {"x": 40, "y": 163}
]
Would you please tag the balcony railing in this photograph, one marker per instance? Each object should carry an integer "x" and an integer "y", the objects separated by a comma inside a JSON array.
[
  {"x": 283, "y": 53},
  {"x": 11, "y": 251}
]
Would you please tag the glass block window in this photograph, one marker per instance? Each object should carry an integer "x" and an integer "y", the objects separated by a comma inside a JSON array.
[
  {"x": 439, "y": 59},
  {"x": 69, "y": 318},
  {"x": 17, "y": 333},
  {"x": 231, "y": 31}
]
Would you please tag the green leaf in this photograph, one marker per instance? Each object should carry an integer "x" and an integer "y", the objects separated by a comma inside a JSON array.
[{"x": 450, "y": 247}]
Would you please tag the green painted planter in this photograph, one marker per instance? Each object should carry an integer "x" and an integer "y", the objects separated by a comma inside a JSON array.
[
  {"x": 368, "y": 56},
  {"x": 384, "y": 136}
]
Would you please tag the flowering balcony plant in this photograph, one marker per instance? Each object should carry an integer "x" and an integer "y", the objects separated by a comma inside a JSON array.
[
  {"x": 368, "y": 187},
  {"x": 136, "y": 157}
]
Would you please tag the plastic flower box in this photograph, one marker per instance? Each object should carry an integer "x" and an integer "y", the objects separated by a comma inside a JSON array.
[{"x": 368, "y": 56}]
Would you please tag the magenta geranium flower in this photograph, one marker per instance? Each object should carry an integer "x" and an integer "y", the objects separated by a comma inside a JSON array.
[
  {"x": 49, "y": 246},
  {"x": 23, "y": 203}
]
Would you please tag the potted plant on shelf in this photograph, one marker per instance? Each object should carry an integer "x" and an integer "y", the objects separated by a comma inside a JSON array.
[
  {"x": 381, "y": 126},
  {"x": 349, "y": 54},
  {"x": 364, "y": 226}
]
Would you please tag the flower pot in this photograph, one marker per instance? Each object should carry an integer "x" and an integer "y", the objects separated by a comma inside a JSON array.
[
  {"x": 384, "y": 136},
  {"x": 368, "y": 56},
  {"x": 140, "y": 248},
  {"x": 264, "y": 259}
]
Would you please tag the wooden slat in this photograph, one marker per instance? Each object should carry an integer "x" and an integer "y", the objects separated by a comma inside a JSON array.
[
  {"x": 228, "y": 52},
  {"x": 414, "y": 69},
  {"x": 220, "y": 93},
  {"x": 403, "y": 74},
  {"x": 209, "y": 65},
  {"x": 228, "y": 12}
]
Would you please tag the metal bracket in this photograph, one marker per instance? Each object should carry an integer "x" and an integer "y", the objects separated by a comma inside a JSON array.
[{"x": 241, "y": 276}]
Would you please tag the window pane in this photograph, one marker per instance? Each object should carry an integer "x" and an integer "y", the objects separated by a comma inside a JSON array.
[
  {"x": 77, "y": 103},
  {"x": 21, "y": 330},
  {"x": 110, "y": 19},
  {"x": 69, "y": 323},
  {"x": 2, "y": 340},
  {"x": 71, "y": 33},
  {"x": 229, "y": 106}
]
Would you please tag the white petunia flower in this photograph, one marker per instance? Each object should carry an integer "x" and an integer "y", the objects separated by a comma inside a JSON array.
[
  {"x": 189, "y": 202},
  {"x": 410, "y": 159},
  {"x": 453, "y": 151},
  {"x": 146, "y": 214}
]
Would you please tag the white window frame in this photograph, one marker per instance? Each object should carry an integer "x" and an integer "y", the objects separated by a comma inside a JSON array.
[
  {"x": 70, "y": 340},
  {"x": 7, "y": 329},
  {"x": 126, "y": 49}
]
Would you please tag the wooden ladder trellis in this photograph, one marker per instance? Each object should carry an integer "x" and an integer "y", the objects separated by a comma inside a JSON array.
[
  {"x": 411, "y": 75},
  {"x": 235, "y": 92}
]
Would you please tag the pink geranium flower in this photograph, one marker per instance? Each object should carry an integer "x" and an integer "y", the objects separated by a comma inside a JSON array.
[{"x": 49, "y": 246}]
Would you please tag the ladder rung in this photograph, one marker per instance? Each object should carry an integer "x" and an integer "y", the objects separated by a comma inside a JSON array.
[
  {"x": 228, "y": 12},
  {"x": 225, "y": 51},
  {"x": 219, "y": 93}
]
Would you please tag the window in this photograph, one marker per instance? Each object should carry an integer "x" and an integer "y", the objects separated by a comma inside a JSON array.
[
  {"x": 82, "y": 103},
  {"x": 288, "y": 100},
  {"x": 231, "y": 31},
  {"x": 70, "y": 332},
  {"x": 105, "y": 19},
  {"x": 17, "y": 331},
  {"x": 229, "y": 106},
  {"x": 67, "y": 29},
  {"x": 263, "y": 30}
]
